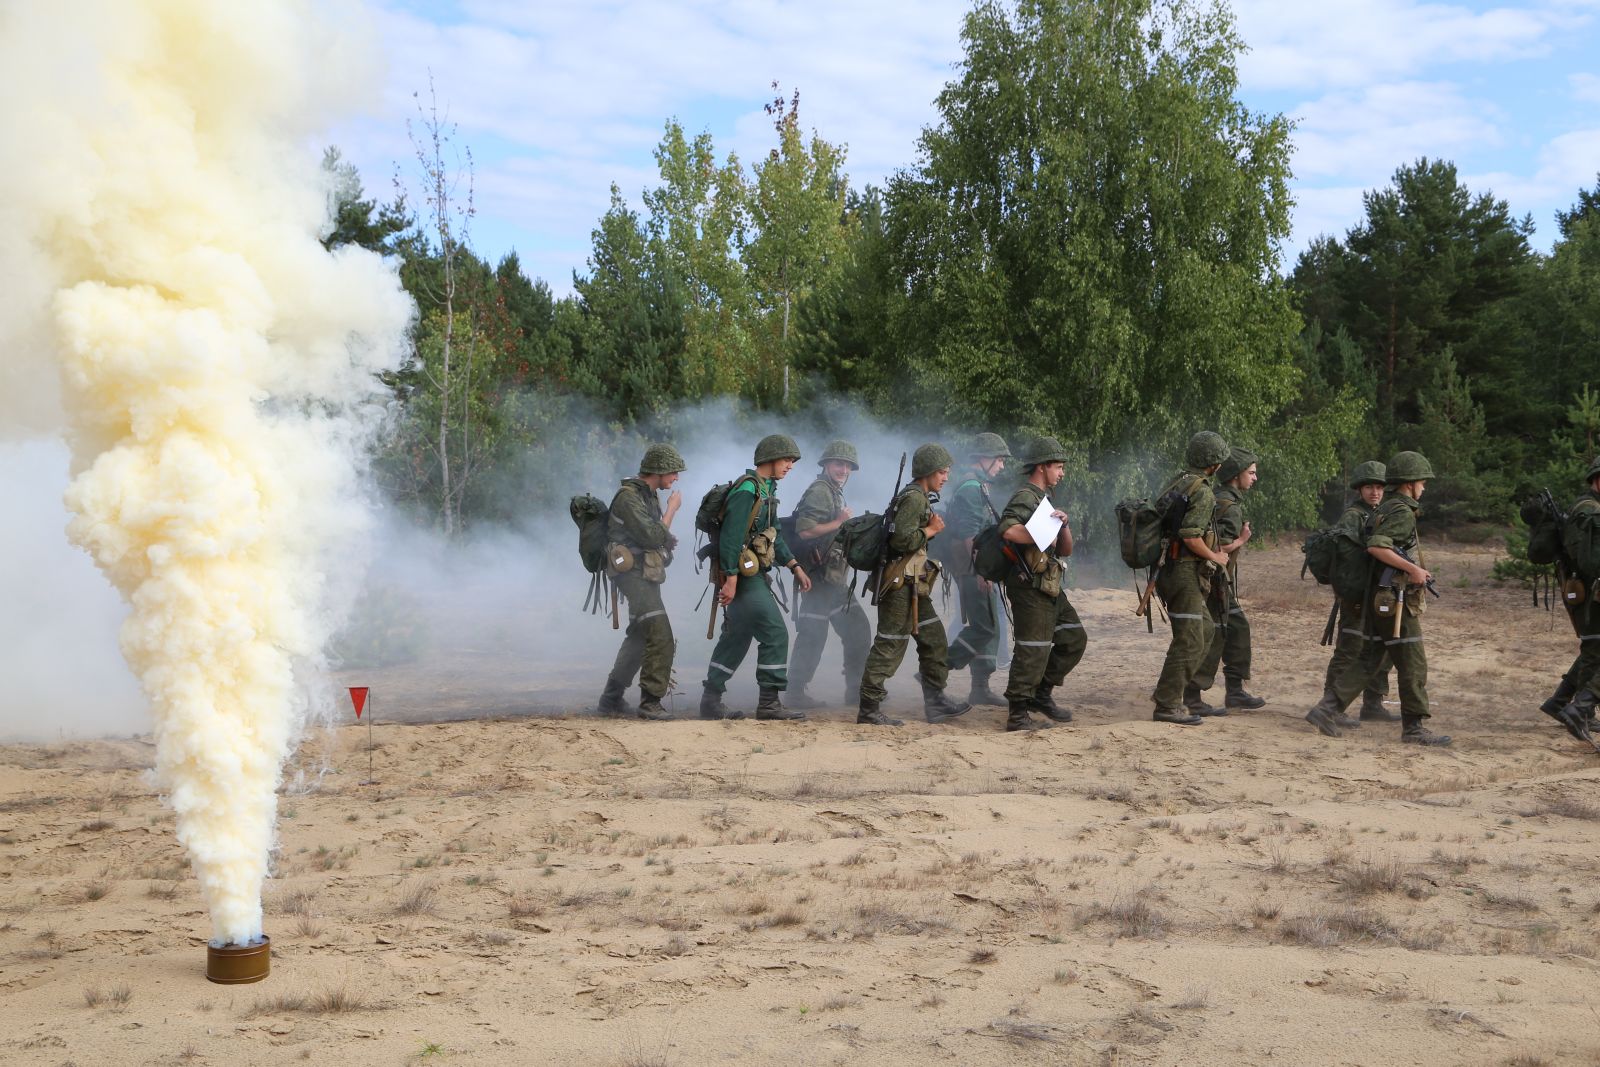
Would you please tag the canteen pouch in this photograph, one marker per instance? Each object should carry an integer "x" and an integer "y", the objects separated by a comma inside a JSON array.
[{"x": 619, "y": 559}]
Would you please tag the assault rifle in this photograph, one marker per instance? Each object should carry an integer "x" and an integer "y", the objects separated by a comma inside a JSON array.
[
  {"x": 1022, "y": 572},
  {"x": 1386, "y": 578},
  {"x": 875, "y": 581}
]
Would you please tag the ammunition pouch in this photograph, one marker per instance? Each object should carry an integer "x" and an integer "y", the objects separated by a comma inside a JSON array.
[
  {"x": 653, "y": 566},
  {"x": 619, "y": 559},
  {"x": 1416, "y": 600}
]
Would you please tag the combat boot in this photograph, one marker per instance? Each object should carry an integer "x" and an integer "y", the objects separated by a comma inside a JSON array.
[
  {"x": 1325, "y": 716},
  {"x": 1412, "y": 732},
  {"x": 1196, "y": 705},
  {"x": 712, "y": 707},
  {"x": 799, "y": 698},
  {"x": 869, "y": 715},
  {"x": 1559, "y": 699},
  {"x": 1045, "y": 704},
  {"x": 650, "y": 708},
  {"x": 1240, "y": 700},
  {"x": 982, "y": 695},
  {"x": 1017, "y": 718},
  {"x": 1578, "y": 716},
  {"x": 1176, "y": 716},
  {"x": 769, "y": 707},
  {"x": 611, "y": 704},
  {"x": 938, "y": 707},
  {"x": 1372, "y": 709}
]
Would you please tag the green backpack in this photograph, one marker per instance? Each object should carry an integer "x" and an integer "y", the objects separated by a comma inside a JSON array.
[
  {"x": 1145, "y": 528},
  {"x": 708, "y": 516},
  {"x": 593, "y": 518},
  {"x": 1546, "y": 528},
  {"x": 860, "y": 537},
  {"x": 1580, "y": 539},
  {"x": 992, "y": 560}
]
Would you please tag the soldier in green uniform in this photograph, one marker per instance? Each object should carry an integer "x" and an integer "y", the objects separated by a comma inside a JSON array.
[
  {"x": 641, "y": 530},
  {"x": 905, "y": 601},
  {"x": 1355, "y": 525},
  {"x": 1049, "y": 638},
  {"x": 1394, "y": 538},
  {"x": 1230, "y": 646},
  {"x": 1186, "y": 576},
  {"x": 750, "y": 534},
  {"x": 817, "y": 519},
  {"x": 1573, "y": 702},
  {"x": 971, "y": 509}
]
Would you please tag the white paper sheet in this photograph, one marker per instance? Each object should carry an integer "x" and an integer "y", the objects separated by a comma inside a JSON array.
[{"x": 1043, "y": 526}]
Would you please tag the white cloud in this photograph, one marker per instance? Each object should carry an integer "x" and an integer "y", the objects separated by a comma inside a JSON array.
[
  {"x": 1585, "y": 88},
  {"x": 1565, "y": 164},
  {"x": 1365, "y": 134}
]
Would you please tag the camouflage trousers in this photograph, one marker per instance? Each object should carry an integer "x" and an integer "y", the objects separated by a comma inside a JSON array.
[
  {"x": 1050, "y": 640},
  {"x": 647, "y": 645},
  {"x": 978, "y": 642},
  {"x": 1585, "y": 670},
  {"x": 895, "y": 633},
  {"x": 1410, "y": 661},
  {"x": 1352, "y": 640},
  {"x": 1230, "y": 645},
  {"x": 753, "y": 616},
  {"x": 829, "y": 605},
  {"x": 1185, "y": 591}
]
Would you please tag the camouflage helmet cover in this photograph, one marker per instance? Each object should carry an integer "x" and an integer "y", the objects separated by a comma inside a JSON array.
[
  {"x": 1407, "y": 467},
  {"x": 776, "y": 446},
  {"x": 1206, "y": 449},
  {"x": 1369, "y": 473},
  {"x": 843, "y": 451},
  {"x": 989, "y": 444},
  {"x": 662, "y": 459},
  {"x": 929, "y": 459},
  {"x": 1043, "y": 450},
  {"x": 1238, "y": 461}
]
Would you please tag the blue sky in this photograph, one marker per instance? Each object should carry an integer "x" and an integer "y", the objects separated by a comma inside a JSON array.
[{"x": 557, "y": 102}]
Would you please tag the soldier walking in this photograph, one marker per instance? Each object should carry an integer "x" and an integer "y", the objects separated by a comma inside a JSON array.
[
  {"x": 1186, "y": 576},
  {"x": 1354, "y": 618},
  {"x": 817, "y": 519},
  {"x": 639, "y": 550},
  {"x": 1573, "y": 702},
  {"x": 1399, "y": 585},
  {"x": 1230, "y": 645},
  {"x": 905, "y": 601},
  {"x": 1049, "y": 636},
  {"x": 977, "y": 644},
  {"x": 750, "y": 536}
]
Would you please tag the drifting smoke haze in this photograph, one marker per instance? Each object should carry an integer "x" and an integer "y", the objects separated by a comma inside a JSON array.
[{"x": 215, "y": 368}]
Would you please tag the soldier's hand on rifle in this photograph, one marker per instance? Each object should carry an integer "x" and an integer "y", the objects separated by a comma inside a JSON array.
[
  {"x": 935, "y": 524},
  {"x": 725, "y": 593},
  {"x": 801, "y": 578},
  {"x": 1419, "y": 575}
]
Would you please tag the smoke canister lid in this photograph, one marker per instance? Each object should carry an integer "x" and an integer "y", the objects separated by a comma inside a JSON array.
[{"x": 239, "y": 964}]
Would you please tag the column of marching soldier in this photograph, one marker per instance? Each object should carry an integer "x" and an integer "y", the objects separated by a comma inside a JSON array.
[{"x": 1379, "y": 627}]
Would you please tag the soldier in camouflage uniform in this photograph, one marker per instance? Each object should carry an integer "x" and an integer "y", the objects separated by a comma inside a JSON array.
[
  {"x": 1355, "y": 524},
  {"x": 1394, "y": 532},
  {"x": 1186, "y": 575},
  {"x": 971, "y": 509},
  {"x": 1573, "y": 702},
  {"x": 639, "y": 525},
  {"x": 817, "y": 519},
  {"x": 1049, "y": 637},
  {"x": 905, "y": 601},
  {"x": 750, "y": 525},
  {"x": 1230, "y": 646}
]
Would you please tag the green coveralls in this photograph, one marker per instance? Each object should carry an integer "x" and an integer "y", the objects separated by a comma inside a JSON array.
[
  {"x": 1049, "y": 637},
  {"x": 829, "y": 602},
  {"x": 754, "y": 614},
  {"x": 1184, "y": 584},
  {"x": 978, "y": 641},
  {"x": 647, "y": 646},
  {"x": 1231, "y": 645},
  {"x": 1585, "y": 670},
  {"x": 1353, "y": 636},
  {"x": 894, "y": 608},
  {"x": 1396, "y": 527}
]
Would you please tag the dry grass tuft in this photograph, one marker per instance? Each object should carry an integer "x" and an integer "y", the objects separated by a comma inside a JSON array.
[
  {"x": 1329, "y": 928},
  {"x": 1569, "y": 808},
  {"x": 332, "y": 1001},
  {"x": 417, "y": 899},
  {"x": 1368, "y": 877},
  {"x": 97, "y": 890},
  {"x": 97, "y": 826},
  {"x": 983, "y": 956},
  {"x": 1018, "y": 1032},
  {"x": 1130, "y": 917}
]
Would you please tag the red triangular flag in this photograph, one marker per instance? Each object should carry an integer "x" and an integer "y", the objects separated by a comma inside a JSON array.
[{"x": 358, "y": 697}]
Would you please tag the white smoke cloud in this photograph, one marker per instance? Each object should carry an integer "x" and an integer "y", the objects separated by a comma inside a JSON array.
[{"x": 215, "y": 367}]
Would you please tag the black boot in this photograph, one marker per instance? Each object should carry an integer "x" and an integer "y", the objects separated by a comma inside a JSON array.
[
  {"x": 1176, "y": 716},
  {"x": 869, "y": 715},
  {"x": 769, "y": 707},
  {"x": 611, "y": 704},
  {"x": 1239, "y": 700},
  {"x": 938, "y": 707},
  {"x": 650, "y": 708},
  {"x": 1559, "y": 699},
  {"x": 1045, "y": 704},
  {"x": 1412, "y": 732},
  {"x": 1325, "y": 716},
  {"x": 711, "y": 706},
  {"x": 981, "y": 694},
  {"x": 1578, "y": 716},
  {"x": 1372, "y": 709},
  {"x": 799, "y": 698},
  {"x": 1018, "y": 718},
  {"x": 1196, "y": 705}
]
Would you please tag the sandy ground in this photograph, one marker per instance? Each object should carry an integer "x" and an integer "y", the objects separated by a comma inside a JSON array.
[{"x": 570, "y": 890}]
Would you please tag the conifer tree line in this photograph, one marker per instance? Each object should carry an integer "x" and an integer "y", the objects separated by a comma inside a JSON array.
[{"x": 1087, "y": 244}]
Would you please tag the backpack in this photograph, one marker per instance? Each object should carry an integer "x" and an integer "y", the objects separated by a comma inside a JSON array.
[
  {"x": 1321, "y": 550},
  {"x": 1580, "y": 542},
  {"x": 1546, "y": 528},
  {"x": 944, "y": 549},
  {"x": 1144, "y": 529},
  {"x": 860, "y": 538},
  {"x": 708, "y": 516},
  {"x": 593, "y": 518},
  {"x": 991, "y": 560}
]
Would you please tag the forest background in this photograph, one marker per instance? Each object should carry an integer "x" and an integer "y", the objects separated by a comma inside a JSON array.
[{"x": 1088, "y": 244}]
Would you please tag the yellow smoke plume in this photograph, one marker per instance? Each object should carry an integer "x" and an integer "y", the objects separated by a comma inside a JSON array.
[{"x": 213, "y": 365}]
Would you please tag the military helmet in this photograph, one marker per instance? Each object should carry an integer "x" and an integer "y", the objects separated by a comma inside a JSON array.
[
  {"x": 1594, "y": 471},
  {"x": 662, "y": 459},
  {"x": 1368, "y": 473},
  {"x": 989, "y": 444},
  {"x": 776, "y": 446},
  {"x": 1407, "y": 467},
  {"x": 1206, "y": 449},
  {"x": 841, "y": 450},
  {"x": 1238, "y": 461},
  {"x": 929, "y": 459},
  {"x": 1043, "y": 450}
]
